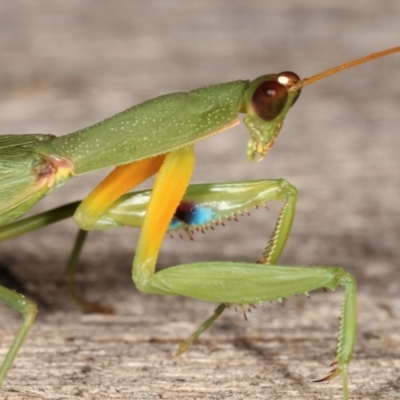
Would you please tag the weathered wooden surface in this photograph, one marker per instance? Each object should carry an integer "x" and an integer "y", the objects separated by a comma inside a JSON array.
[{"x": 65, "y": 65}]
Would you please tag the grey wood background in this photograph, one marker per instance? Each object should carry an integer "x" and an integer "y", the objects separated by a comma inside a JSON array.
[{"x": 65, "y": 65}]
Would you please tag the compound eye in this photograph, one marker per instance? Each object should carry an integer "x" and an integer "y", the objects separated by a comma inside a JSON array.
[{"x": 269, "y": 99}]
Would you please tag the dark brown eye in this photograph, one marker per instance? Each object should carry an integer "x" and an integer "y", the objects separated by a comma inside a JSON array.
[{"x": 269, "y": 100}]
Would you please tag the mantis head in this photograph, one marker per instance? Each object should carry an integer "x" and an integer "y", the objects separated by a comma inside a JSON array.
[{"x": 268, "y": 98}]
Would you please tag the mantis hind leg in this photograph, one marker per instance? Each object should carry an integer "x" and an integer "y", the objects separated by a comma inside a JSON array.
[
  {"x": 28, "y": 310},
  {"x": 69, "y": 279}
]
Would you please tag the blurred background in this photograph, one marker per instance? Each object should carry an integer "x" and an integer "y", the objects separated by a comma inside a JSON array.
[{"x": 67, "y": 65}]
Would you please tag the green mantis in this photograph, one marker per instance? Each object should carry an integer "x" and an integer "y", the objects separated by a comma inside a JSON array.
[{"x": 158, "y": 136}]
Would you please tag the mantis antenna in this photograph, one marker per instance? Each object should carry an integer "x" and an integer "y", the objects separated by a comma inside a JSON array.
[{"x": 342, "y": 67}]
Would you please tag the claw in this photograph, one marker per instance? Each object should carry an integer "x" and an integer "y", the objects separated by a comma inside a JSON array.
[
  {"x": 334, "y": 373},
  {"x": 341, "y": 370}
]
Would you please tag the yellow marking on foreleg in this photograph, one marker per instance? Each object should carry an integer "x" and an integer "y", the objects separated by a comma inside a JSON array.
[
  {"x": 169, "y": 188},
  {"x": 117, "y": 183}
]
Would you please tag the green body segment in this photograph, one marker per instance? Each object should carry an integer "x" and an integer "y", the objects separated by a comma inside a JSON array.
[
  {"x": 22, "y": 174},
  {"x": 151, "y": 128},
  {"x": 219, "y": 281}
]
